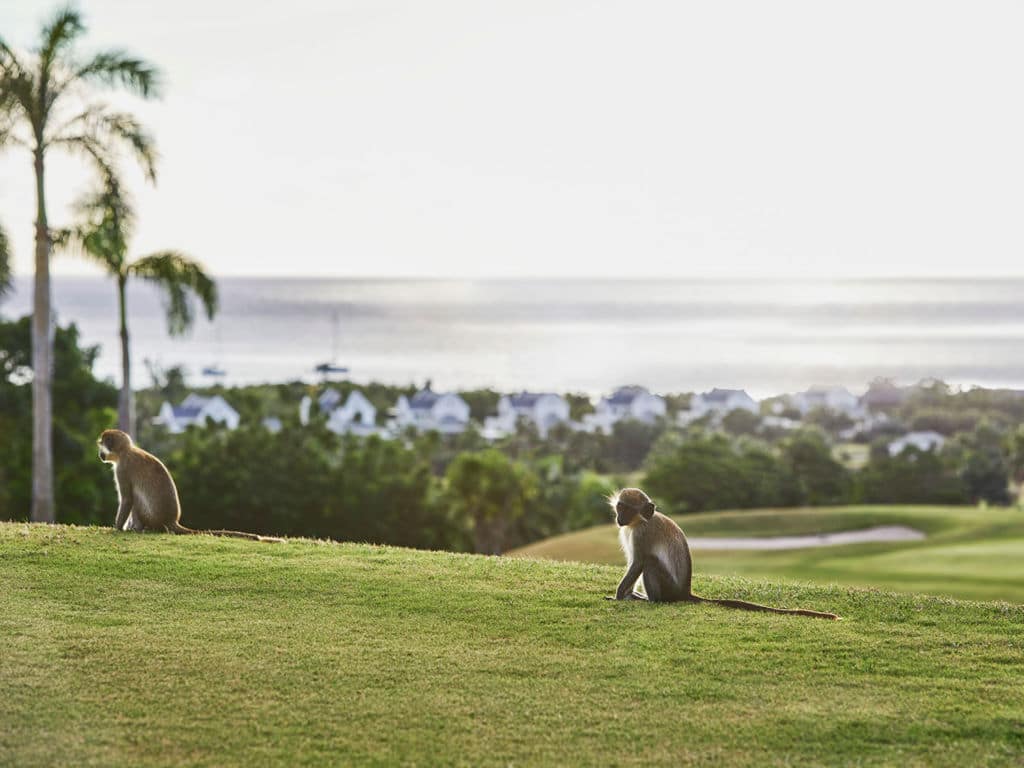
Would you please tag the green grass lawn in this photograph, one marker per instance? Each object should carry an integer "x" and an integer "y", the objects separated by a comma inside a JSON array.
[
  {"x": 140, "y": 650},
  {"x": 969, "y": 552}
]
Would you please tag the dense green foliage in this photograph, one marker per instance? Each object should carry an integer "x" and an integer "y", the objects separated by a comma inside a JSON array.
[
  {"x": 700, "y": 470},
  {"x": 146, "y": 650},
  {"x": 492, "y": 491},
  {"x": 914, "y": 476},
  {"x": 83, "y": 407}
]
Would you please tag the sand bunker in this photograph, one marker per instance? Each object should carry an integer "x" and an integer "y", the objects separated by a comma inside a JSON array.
[{"x": 878, "y": 533}]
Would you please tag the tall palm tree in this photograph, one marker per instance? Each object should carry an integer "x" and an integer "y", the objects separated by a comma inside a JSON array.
[
  {"x": 45, "y": 103},
  {"x": 5, "y": 263},
  {"x": 102, "y": 236}
]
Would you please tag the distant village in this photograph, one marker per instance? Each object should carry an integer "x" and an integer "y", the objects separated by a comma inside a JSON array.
[{"x": 448, "y": 413}]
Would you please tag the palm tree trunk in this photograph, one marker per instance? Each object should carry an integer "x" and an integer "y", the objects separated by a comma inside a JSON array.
[
  {"x": 42, "y": 364},
  {"x": 125, "y": 406}
]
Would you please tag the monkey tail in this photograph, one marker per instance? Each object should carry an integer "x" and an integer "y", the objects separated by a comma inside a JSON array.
[
  {"x": 181, "y": 529},
  {"x": 243, "y": 535},
  {"x": 745, "y": 606}
]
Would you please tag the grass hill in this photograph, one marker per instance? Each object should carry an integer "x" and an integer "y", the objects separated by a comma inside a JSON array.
[
  {"x": 969, "y": 552},
  {"x": 146, "y": 650}
]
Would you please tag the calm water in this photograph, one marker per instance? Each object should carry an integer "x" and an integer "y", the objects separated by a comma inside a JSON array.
[{"x": 766, "y": 336}]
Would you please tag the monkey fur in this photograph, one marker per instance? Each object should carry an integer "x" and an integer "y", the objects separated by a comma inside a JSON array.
[
  {"x": 656, "y": 551},
  {"x": 147, "y": 496}
]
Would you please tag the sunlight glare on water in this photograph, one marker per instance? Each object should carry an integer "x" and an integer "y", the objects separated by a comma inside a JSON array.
[{"x": 566, "y": 335}]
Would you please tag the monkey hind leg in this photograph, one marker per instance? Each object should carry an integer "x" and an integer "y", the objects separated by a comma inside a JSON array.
[{"x": 660, "y": 586}]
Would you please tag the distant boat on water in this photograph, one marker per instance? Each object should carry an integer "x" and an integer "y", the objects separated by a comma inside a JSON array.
[
  {"x": 332, "y": 367},
  {"x": 214, "y": 371}
]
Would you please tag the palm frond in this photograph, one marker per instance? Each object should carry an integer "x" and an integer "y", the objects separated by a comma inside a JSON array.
[
  {"x": 58, "y": 35},
  {"x": 124, "y": 127},
  {"x": 86, "y": 144},
  {"x": 17, "y": 86},
  {"x": 80, "y": 121},
  {"x": 6, "y": 118},
  {"x": 8, "y": 125},
  {"x": 97, "y": 132},
  {"x": 5, "y": 262},
  {"x": 117, "y": 67},
  {"x": 182, "y": 281},
  {"x": 10, "y": 64},
  {"x": 104, "y": 228},
  {"x": 109, "y": 200},
  {"x": 7, "y": 55}
]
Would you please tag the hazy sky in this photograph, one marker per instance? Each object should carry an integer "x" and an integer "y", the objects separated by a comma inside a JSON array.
[{"x": 567, "y": 137}]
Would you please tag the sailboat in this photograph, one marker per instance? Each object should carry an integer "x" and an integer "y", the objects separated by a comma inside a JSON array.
[
  {"x": 332, "y": 366},
  {"x": 214, "y": 371}
]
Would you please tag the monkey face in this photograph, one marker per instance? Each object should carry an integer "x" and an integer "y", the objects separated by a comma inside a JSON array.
[
  {"x": 106, "y": 455},
  {"x": 632, "y": 506},
  {"x": 623, "y": 514},
  {"x": 111, "y": 444}
]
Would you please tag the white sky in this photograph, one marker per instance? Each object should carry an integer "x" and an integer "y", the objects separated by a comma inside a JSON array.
[{"x": 568, "y": 137}]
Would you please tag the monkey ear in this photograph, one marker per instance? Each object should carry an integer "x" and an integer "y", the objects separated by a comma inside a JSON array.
[{"x": 648, "y": 510}]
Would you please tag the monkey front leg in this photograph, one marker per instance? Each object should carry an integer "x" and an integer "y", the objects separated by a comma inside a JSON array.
[
  {"x": 124, "y": 498},
  {"x": 124, "y": 509},
  {"x": 625, "y": 590}
]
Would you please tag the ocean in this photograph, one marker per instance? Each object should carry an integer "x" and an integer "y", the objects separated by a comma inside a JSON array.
[{"x": 767, "y": 336}]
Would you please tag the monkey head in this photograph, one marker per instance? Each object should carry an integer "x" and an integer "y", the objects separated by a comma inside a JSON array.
[
  {"x": 111, "y": 444},
  {"x": 632, "y": 506}
]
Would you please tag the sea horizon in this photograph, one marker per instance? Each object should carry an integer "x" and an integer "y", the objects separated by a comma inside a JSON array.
[{"x": 571, "y": 335}]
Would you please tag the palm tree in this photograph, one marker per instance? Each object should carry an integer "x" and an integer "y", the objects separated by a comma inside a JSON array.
[
  {"x": 102, "y": 236},
  {"x": 45, "y": 104},
  {"x": 5, "y": 263}
]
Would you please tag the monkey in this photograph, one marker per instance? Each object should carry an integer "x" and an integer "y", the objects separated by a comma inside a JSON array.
[
  {"x": 656, "y": 550},
  {"x": 147, "y": 496}
]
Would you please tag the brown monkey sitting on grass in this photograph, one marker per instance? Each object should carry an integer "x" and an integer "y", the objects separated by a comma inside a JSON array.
[
  {"x": 656, "y": 550},
  {"x": 147, "y": 496}
]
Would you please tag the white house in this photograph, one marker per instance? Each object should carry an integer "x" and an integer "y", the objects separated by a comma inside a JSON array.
[
  {"x": 625, "y": 403},
  {"x": 542, "y": 409},
  {"x": 357, "y": 416},
  {"x": 779, "y": 422},
  {"x": 445, "y": 412},
  {"x": 197, "y": 410},
  {"x": 864, "y": 424},
  {"x": 305, "y": 406},
  {"x": 838, "y": 399},
  {"x": 717, "y": 402},
  {"x": 923, "y": 441},
  {"x": 329, "y": 399}
]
